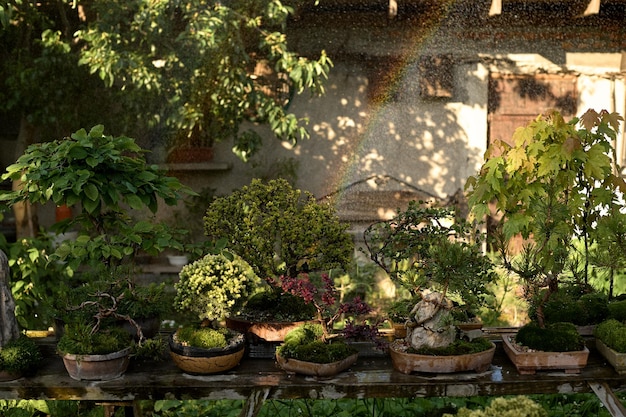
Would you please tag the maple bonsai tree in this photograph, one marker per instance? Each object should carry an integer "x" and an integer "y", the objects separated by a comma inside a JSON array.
[{"x": 551, "y": 186}]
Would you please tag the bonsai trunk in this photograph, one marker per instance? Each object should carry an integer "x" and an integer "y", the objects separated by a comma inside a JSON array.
[
  {"x": 9, "y": 329},
  {"x": 26, "y": 222}
]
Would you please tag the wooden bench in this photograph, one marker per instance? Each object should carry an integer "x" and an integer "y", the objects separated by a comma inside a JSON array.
[{"x": 256, "y": 380}]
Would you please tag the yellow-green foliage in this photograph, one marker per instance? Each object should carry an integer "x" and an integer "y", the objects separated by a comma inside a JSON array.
[
  {"x": 204, "y": 337},
  {"x": 519, "y": 406},
  {"x": 212, "y": 286},
  {"x": 613, "y": 334}
]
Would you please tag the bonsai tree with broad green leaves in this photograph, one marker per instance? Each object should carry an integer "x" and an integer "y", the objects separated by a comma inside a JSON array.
[
  {"x": 108, "y": 180},
  {"x": 553, "y": 185}
]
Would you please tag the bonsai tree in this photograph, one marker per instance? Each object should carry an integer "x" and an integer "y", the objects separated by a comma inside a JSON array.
[
  {"x": 105, "y": 179},
  {"x": 438, "y": 259},
  {"x": 279, "y": 231},
  {"x": 214, "y": 286},
  {"x": 322, "y": 342},
  {"x": 554, "y": 185}
]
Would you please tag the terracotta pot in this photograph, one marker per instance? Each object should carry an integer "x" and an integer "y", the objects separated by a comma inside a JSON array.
[
  {"x": 411, "y": 362},
  {"x": 62, "y": 212},
  {"x": 273, "y": 331},
  {"x": 199, "y": 361},
  {"x": 616, "y": 359},
  {"x": 528, "y": 362},
  {"x": 97, "y": 367},
  {"x": 316, "y": 369}
]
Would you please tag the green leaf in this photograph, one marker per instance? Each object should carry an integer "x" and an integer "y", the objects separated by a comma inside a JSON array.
[{"x": 91, "y": 191}]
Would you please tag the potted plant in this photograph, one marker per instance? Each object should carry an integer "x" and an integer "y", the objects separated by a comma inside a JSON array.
[
  {"x": 18, "y": 357},
  {"x": 319, "y": 348},
  {"x": 106, "y": 180},
  {"x": 279, "y": 231},
  {"x": 610, "y": 338},
  {"x": 551, "y": 187},
  {"x": 209, "y": 289},
  {"x": 93, "y": 345},
  {"x": 438, "y": 259}
]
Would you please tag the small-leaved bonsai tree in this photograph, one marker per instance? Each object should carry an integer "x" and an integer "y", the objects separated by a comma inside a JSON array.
[
  {"x": 279, "y": 231},
  {"x": 438, "y": 258}
]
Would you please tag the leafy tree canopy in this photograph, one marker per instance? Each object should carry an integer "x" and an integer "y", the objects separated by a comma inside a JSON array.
[{"x": 194, "y": 69}]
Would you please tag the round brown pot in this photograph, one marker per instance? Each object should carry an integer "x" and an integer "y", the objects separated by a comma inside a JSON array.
[
  {"x": 198, "y": 361},
  {"x": 97, "y": 367}
]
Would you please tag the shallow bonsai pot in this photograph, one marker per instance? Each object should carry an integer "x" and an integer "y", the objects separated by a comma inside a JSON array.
[
  {"x": 313, "y": 368},
  {"x": 411, "y": 362},
  {"x": 528, "y": 362},
  {"x": 198, "y": 361},
  {"x": 616, "y": 359},
  {"x": 97, "y": 367}
]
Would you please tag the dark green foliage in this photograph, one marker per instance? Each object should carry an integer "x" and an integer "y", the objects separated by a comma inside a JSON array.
[
  {"x": 304, "y": 343},
  {"x": 617, "y": 310},
  {"x": 79, "y": 339},
  {"x": 459, "y": 347},
  {"x": 274, "y": 306},
  {"x": 568, "y": 305},
  {"x": 280, "y": 230},
  {"x": 555, "y": 337},
  {"x": 204, "y": 337},
  {"x": 20, "y": 355},
  {"x": 613, "y": 334}
]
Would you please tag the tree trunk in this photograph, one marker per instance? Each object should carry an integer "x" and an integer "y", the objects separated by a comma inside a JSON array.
[
  {"x": 26, "y": 221},
  {"x": 9, "y": 329}
]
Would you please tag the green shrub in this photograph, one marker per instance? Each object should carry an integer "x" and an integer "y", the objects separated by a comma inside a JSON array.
[
  {"x": 305, "y": 343},
  {"x": 617, "y": 310},
  {"x": 613, "y": 334},
  {"x": 274, "y": 306},
  {"x": 211, "y": 287},
  {"x": 555, "y": 337},
  {"x": 519, "y": 406},
  {"x": 20, "y": 355}
]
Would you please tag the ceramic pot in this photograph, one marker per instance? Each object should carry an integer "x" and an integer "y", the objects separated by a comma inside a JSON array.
[
  {"x": 410, "y": 362},
  {"x": 271, "y": 331},
  {"x": 528, "y": 362},
  {"x": 198, "y": 361},
  {"x": 616, "y": 359},
  {"x": 97, "y": 367},
  {"x": 315, "y": 369}
]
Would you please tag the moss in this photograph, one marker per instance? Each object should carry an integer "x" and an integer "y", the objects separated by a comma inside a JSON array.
[
  {"x": 204, "y": 337},
  {"x": 20, "y": 355},
  {"x": 613, "y": 334},
  {"x": 556, "y": 337},
  {"x": 459, "y": 347}
]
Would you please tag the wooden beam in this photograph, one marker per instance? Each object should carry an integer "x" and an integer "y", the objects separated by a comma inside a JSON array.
[
  {"x": 496, "y": 7},
  {"x": 608, "y": 398},
  {"x": 393, "y": 8},
  {"x": 592, "y": 8}
]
